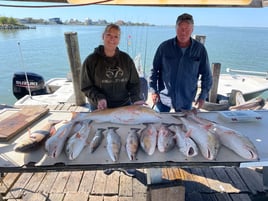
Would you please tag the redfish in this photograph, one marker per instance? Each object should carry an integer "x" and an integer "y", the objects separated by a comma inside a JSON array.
[
  {"x": 148, "y": 138},
  {"x": 132, "y": 143},
  {"x": 230, "y": 138},
  {"x": 54, "y": 145},
  {"x": 34, "y": 139},
  {"x": 77, "y": 142},
  {"x": 166, "y": 138},
  {"x": 185, "y": 144},
  {"x": 133, "y": 114},
  {"x": 207, "y": 142}
]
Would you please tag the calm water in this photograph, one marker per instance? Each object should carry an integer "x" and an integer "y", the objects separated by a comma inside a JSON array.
[{"x": 43, "y": 50}]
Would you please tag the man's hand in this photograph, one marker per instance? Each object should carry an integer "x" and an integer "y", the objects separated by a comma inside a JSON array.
[
  {"x": 199, "y": 103},
  {"x": 155, "y": 98},
  {"x": 102, "y": 104}
]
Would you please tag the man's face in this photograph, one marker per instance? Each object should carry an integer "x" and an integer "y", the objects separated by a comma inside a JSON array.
[{"x": 184, "y": 31}]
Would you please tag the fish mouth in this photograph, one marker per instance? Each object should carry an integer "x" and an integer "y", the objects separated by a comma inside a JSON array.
[{"x": 191, "y": 151}]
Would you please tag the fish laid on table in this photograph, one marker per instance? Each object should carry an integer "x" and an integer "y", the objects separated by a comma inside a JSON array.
[
  {"x": 235, "y": 141},
  {"x": 54, "y": 145},
  {"x": 132, "y": 143},
  {"x": 77, "y": 142},
  {"x": 166, "y": 138},
  {"x": 231, "y": 139},
  {"x": 96, "y": 140},
  {"x": 133, "y": 114},
  {"x": 207, "y": 142},
  {"x": 113, "y": 143},
  {"x": 32, "y": 140},
  {"x": 185, "y": 144},
  {"x": 148, "y": 138}
]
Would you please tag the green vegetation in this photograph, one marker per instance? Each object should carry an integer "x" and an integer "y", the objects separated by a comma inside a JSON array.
[{"x": 9, "y": 21}]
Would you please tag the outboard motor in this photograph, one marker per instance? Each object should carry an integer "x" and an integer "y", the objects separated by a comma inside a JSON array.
[{"x": 21, "y": 87}]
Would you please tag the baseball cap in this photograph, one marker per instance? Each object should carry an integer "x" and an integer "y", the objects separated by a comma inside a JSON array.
[{"x": 185, "y": 17}]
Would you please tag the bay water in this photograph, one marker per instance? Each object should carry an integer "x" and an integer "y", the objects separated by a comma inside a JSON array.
[{"x": 43, "y": 50}]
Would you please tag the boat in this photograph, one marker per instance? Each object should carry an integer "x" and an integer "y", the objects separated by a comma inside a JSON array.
[{"x": 251, "y": 83}]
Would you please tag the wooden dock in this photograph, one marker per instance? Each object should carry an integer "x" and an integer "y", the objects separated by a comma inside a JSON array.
[{"x": 190, "y": 184}]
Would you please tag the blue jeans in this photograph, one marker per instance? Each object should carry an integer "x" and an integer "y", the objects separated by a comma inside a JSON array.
[{"x": 160, "y": 107}]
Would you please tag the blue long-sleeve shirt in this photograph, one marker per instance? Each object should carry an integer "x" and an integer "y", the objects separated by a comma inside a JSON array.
[{"x": 175, "y": 74}]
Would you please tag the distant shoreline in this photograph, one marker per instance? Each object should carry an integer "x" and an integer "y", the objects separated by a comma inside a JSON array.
[{"x": 11, "y": 26}]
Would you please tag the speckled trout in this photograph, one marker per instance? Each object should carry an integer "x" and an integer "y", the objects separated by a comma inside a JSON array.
[
  {"x": 133, "y": 114},
  {"x": 113, "y": 143},
  {"x": 96, "y": 140}
]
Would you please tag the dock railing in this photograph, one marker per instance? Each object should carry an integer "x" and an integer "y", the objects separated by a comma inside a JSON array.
[{"x": 259, "y": 73}]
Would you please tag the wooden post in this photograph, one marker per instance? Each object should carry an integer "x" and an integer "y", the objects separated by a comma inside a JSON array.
[
  {"x": 200, "y": 38},
  {"x": 216, "y": 69},
  {"x": 75, "y": 65}
]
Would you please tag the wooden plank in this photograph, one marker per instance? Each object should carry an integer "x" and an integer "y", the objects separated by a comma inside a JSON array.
[
  {"x": 212, "y": 180},
  {"x": 15, "y": 123},
  {"x": 47, "y": 182},
  {"x": 17, "y": 189},
  {"x": 110, "y": 198},
  {"x": 188, "y": 181},
  {"x": 200, "y": 180},
  {"x": 252, "y": 179},
  {"x": 112, "y": 181},
  {"x": 56, "y": 196},
  {"x": 226, "y": 183},
  {"x": 35, "y": 181},
  {"x": 60, "y": 182},
  {"x": 81, "y": 196},
  {"x": 96, "y": 197},
  {"x": 126, "y": 186},
  {"x": 209, "y": 197},
  {"x": 87, "y": 181},
  {"x": 29, "y": 196},
  {"x": 73, "y": 181},
  {"x": 7, "y": 181},
  {"x": 99, "y": 183},
  {"x": 223, "y": 197},
  {"x": 167, "y": 194},
  {"x": 125, "y": 199},
  {"x": 240, "y": 197},
  {"x": 236, "y": 179},
  {"x": 139, "y": 189},
  {"x": 194, "y": 196}
]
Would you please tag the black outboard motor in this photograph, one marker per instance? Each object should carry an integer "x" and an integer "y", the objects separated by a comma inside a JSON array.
[{"x": 21, "y": 87}]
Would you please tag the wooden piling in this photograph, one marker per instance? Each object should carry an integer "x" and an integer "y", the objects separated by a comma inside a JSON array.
[
  {"x": 71, "y": 41},
  {"x": 216, "y": 69}
]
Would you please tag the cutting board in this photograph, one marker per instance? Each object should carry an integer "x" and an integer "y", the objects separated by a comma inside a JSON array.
[{"x": 21, "y": 119}]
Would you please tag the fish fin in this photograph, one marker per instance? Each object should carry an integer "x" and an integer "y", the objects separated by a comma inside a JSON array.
[
  {"x": 52, "y": 131},
  {"x": 29, "y": 132},
  {"x": 188, "y": 133},
  {"x": 62, "y": 133}
]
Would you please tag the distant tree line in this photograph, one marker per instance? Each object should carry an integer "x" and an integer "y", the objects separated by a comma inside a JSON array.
[
  {"x": 87, "y": 21},
  {"x": 9, "y": 20}
]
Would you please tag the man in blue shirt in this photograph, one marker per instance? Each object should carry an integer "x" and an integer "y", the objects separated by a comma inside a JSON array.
[{"x": 177, "y": 66}]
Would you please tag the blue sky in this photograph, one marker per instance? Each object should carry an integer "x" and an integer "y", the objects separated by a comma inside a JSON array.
[{"x": 246, "y": 17}]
